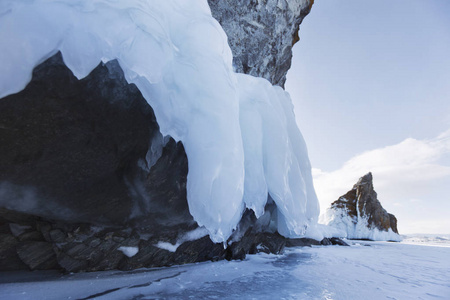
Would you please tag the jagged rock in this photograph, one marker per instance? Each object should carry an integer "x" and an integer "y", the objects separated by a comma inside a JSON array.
[
  {"x": 57, "y": 236},
  {"x": 338, "y": 241},
  {"x": 31, "y": 236},
  {"x": 307, "y": 242},
  {"x": 302, "y": 242},
  {"x": 70, "y": 148},
  {"x": 83, "y": 247},
  {"x": 326, "y": 242},
  {"x": 261, "y": 34},
  {"x": 37, "y": 255},
  {"x": 359, "y": 213},
  {"x": 9, "y": 260}
]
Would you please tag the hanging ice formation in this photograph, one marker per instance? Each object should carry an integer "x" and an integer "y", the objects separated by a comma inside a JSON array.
[{"x": 238, "y": 131}]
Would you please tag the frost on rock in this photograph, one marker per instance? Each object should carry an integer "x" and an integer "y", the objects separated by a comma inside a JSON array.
[
  {"x": 359, "y": 214},
  {"x": 352, "y": 228},
  {"x": 239, "y": 132}
]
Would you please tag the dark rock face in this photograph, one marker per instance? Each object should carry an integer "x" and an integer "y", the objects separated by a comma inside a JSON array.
[
  {"x": 75, "y": 150},
  {"x": 36, "y": 243},
  {"x": 261, "y": 34},
  {"x": 68, "y": 145},
  {"x": 361, "y": 202},
  {"x": 87, "y": 152},
  {"x": 338, "y": 241}
]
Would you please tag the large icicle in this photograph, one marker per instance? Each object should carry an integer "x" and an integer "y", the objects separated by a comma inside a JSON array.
[
  {"x": 276, "y": 159},
  {"x": 178, "y": 56}
]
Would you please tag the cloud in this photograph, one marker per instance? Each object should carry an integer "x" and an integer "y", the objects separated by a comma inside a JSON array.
[{"x": 410, "y": 174}]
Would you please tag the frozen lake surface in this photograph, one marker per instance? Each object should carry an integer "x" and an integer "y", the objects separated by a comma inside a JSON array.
[{"x": 415, "y": 269}]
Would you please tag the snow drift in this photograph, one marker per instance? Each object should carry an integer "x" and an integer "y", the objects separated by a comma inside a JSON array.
[{"x": 239, "y": 132}]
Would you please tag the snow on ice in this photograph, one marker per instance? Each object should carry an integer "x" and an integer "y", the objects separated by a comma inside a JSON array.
[{"x": 239, "y": 132}]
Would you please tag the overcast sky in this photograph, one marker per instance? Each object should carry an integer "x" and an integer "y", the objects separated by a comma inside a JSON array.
[{"x": 370, "y": 82}]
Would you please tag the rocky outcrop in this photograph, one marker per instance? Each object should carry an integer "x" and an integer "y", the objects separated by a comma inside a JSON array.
[
  {"x": 82, "y": 154},
  {"x": 37, "y": 243},
  {"x": 261, "y": 34},
  {"x": 359, "y": 213},
  {"x": 29, "y": 242},
  {"x": 71, "y": 149},
  {"x": 84, "y": 169}
]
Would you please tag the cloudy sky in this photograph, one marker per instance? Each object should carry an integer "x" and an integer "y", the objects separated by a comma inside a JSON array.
[{"x": 370, "y": 83}]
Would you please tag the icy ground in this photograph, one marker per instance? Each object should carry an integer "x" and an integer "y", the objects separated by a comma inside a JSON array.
[{"x": 366, "y": 270}]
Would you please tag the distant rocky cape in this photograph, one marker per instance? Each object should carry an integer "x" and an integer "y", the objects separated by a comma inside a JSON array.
[
  {"x": 360, "y": 215},
  {"x": 81, "y": 159}
]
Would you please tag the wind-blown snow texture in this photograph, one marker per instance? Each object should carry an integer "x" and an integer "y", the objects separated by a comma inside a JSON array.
[{"x": 239, "y": 132}]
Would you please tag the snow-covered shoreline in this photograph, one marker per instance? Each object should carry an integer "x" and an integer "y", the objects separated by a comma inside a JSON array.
[{"x": 385, "y": 270}]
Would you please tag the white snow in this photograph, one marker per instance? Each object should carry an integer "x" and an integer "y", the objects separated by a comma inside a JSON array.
[
  {"x": 129, "y": 251},
  {"x": 239, "y": 132},
  {"x": 366, "y": 270},
  {"x": 330, "y": 231},
  {"x": 188, "y": 236},
  {"x": 356, "y": 228},
  {"x": 168, "y": 246}
]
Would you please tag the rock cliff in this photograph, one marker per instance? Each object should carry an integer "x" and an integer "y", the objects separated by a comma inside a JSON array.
[
  {"x": 261, "y": 34},
  {"x": 84, "y": 169},
  {"x": 359, "y": 213}
]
